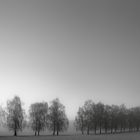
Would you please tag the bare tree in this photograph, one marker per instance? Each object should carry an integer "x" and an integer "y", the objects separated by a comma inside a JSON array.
[
  {"x": 57, "y": 119},
  {"x": 38, "y": 116},
  {"x": 15, "y": 115}
]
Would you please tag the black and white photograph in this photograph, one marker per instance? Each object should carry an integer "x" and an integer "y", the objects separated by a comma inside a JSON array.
[{"x": 69, "y": 69}]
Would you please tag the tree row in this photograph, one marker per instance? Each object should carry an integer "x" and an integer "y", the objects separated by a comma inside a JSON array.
[
  {"x": 100, "y": 118},
  {"x": 41, "y": 116},
  {"x": 92, "y": 117}
]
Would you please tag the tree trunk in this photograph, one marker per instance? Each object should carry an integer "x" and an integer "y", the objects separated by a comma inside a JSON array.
[
  {"x": 137, "y": 129},
  {"x": 111, "y": 130},
  {"x": 38, "y": 133},
  {"x": 121, "y": 128},
  {"x": 115, "y": 129},
  {"x": 100, "y": 128},
  {"x": 111, "y": 126},
  {"x": 106, "y": 130},
  {"x": 88, "y": 130},
  {"x": 95, "y": 130},
  {"x": 35, "y": 133},
  {"x": 129, "y": 129},
  {"x": 105, "y": 127},
  {"x": 15, "y": 134},
  {"x": 82, "y": 131},
  {"x": 57, "y": 132},
  {"x": 54, "y": 128},
  {"x": 57, "y": 129},
  {"x": 124, "y": 129},
  {"x": 53, "y": 132}
]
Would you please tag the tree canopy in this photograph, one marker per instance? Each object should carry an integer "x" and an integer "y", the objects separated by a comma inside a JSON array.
[
  {"x": 38, "y": 116},
  {"x": 107, "y": 118},
  {"x": 15, "y": 115},
  {"x": 57, "y": 120}
]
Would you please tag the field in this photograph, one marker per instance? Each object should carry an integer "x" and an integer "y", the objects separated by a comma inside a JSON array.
[{"x": 125, "y": 136}]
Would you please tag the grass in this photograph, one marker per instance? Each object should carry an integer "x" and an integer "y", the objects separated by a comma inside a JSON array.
[{"x": 123, "y": 136}]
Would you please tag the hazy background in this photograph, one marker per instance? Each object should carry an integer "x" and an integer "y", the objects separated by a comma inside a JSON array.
[{"x": 71, "y": 49}]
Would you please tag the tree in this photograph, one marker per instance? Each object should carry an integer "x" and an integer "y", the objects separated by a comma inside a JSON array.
[
  {"x": 88, "y": 114},
  {"x": 94, "y": 117},
  {"x": 15, "y": 115},
  {"x": 137, "y": 118},
  {"x": 38, "y": 116},
  {"x": 2, "y": 116},
  {"x": 122, "y": 117},
  {"x": 79, "y": 120},
  {"x": 100, "y": 113},
  {"x": 114, "y": 118},
  {"x": 106, "y": 117},
  {"x": 130, "y": 119},
  {"x": 57, "y": 119}
]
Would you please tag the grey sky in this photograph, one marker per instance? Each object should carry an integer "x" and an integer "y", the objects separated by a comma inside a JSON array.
[{"x": 71, "y": 49}]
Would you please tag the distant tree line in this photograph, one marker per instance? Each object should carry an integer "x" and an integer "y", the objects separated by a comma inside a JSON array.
[
  {"x": 100, "y": 118},
  {"x": 41, "y": 116},
  {"x": 91, "y": 118}
]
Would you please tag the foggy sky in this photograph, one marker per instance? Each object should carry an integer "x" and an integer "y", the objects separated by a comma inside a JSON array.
[{"x": 71, "y": 49}]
